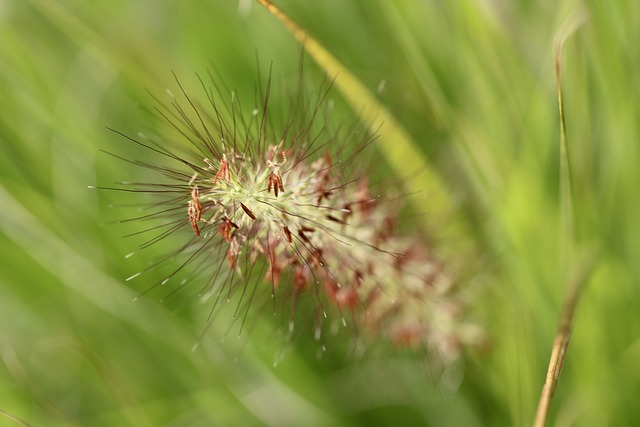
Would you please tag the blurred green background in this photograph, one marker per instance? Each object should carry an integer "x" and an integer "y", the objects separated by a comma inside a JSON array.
[{"x": 472, "y": 82}]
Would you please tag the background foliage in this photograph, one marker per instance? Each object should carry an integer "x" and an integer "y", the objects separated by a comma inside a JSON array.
[{"x": 471, "y": 81}]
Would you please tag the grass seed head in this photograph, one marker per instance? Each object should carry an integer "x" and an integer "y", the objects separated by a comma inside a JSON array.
[{"x": 291, "y": 197}]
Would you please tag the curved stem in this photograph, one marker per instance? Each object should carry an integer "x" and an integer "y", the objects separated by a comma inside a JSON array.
[{"x": 575, "y": 285}]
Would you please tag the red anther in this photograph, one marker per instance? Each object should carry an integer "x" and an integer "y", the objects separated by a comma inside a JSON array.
[
  {"x": 225, "y": 228},
  {"x": 334, "y": 219},
  {"x": 224, "y": 172},
  {"x": 196, "y": 203},
  {"x": 287, "y": 233},
  {"x": 247, "y": 211},
  {"x": 274, "y": 182},
  {"x": 193, "y": 215},
  {"x": 194, "y": 210},
  {"x": 302, "y": 231}
]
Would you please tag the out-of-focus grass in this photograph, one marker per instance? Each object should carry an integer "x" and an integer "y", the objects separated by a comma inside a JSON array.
[{"x": 472, "y": 82}]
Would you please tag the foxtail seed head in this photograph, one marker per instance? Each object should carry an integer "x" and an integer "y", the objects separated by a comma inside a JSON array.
[{"x": 252, "y": 191}]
